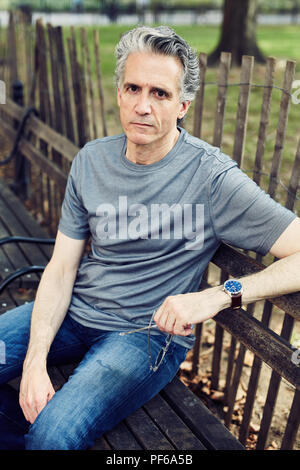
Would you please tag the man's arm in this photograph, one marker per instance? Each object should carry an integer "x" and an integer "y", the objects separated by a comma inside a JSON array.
[
  {"x": 281, "y": 277},
  {"x": 51, "y": 303}
]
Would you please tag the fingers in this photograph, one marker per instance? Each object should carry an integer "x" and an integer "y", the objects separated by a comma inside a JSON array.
[
  {"x": 165, "y": 320},
  {"x": 33, "y": 405},
  {"x": 169, "y": 319},
  {"x": 29, "y": 411}
]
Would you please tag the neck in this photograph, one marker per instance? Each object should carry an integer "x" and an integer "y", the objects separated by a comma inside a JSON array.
[{"x": 146, "y": 154}]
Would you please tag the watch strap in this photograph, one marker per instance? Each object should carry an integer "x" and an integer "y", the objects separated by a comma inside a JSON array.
[{"x": 236, "y": 301}]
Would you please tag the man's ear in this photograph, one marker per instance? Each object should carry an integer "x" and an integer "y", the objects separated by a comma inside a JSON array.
[
  {"x": 118, "y": 96},
  {"x": 184, "y": 106}
]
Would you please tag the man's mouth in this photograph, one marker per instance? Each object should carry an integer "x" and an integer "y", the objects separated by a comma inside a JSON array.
[{"x": 141, "y": 124}]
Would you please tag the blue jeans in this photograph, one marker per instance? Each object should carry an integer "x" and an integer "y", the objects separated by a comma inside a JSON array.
[{"x": 112, "y": 380}]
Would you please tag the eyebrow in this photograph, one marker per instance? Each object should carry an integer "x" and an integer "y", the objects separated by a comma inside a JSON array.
[{"x": 157, "y": 88}]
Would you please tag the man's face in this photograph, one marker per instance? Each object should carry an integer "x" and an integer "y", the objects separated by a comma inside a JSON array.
[{"x": 149, "y": 98}]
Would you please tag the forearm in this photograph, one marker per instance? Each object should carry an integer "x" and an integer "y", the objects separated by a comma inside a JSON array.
[
  {"x": 178, "y": 312},
  {"x": 280, "y": 278},
  {"x": 50, "y": 307}
]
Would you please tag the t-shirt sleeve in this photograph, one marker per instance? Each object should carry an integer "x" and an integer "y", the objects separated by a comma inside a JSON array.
[
  {"x": 74, "y": 216},
  {"x": 243, "y": 215}
]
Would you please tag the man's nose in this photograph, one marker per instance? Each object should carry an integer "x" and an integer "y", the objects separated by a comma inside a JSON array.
[{"x": 143, "y": 104}]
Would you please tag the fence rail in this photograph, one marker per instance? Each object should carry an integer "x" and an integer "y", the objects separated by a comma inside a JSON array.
[{"x": 62, "y": 87}]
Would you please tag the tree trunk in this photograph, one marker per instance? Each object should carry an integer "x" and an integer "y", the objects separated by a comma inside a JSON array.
[{"x": 238, "y": 34}]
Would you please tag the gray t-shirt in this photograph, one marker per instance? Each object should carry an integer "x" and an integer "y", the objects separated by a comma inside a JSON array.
[{"x": 154, "y": 228}]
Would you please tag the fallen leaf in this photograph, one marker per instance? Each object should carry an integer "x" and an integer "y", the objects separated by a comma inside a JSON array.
[
  {"x": 209, "y": 338},
  {"x": 222, "y": 384},
  {"x": 186, "y": 365},
  {"x": 272, "y": 446},
  {"x": 248, "y": 359},
  {"x": 217, "y": 395},
  {"x": 190, "y": 355},
  {"x": 184, "y": 380},
  {"x": 240, "y": 394},
  {"x": 205, "y": 389},
  {"x": 254, "y": 427}
]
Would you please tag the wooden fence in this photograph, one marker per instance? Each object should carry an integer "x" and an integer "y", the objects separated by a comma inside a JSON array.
[
  {"x": 49, "y": 144},
  {"x": 58, "y": 85},
  {"x": 57, "y": 75}
]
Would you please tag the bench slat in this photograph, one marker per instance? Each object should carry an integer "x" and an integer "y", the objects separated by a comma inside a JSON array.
[
  {"x": 100, "y": 444},
  {"x": 18, "y": 259},
  {"x": 11, "y": 252},
  {"x": 199, "y": 418},
  {"x": 171, "y": 425},
  {"x": 146, "y": 432},
  {"x": 6, "y": 303},
  {"x": 6, "y": 267},
  {"x": 29, "y": 224},
  {"x": 121, "y": 438}
]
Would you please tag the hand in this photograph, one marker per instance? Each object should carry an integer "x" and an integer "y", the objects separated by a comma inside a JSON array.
[
  {"x": 35, "y": 391},
  {"x": 178, "y": 312}
]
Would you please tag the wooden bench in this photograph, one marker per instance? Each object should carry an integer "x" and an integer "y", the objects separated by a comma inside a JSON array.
[{"x": 174, "y": 419}]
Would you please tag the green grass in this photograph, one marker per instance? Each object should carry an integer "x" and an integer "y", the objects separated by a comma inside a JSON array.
[{"x": 280, "y": 42}]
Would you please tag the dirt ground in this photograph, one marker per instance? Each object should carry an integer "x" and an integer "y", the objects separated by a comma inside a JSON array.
[{"x": 200, "y": 384}]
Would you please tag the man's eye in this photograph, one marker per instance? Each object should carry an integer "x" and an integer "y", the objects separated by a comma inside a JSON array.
[
  {"x": 132, "y": 88},
  {"x": 160, "y": 93}
]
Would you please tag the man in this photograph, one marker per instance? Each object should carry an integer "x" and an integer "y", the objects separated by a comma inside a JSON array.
[{"x": 157, "y": 203}]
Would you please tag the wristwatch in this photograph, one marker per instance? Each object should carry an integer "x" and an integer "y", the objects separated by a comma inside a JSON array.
[{"x": 234, "y": 289}]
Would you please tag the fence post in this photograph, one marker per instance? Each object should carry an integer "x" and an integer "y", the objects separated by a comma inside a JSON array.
[{"x": 20, "y": 184}]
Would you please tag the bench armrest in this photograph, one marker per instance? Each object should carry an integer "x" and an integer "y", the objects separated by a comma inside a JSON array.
[
  {"x": 20, "y": 272},
  {"x": 26, "y": 240}
]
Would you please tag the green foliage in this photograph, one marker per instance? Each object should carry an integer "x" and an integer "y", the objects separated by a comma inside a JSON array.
[
  {"x": 278, "y": 5},
  {"x": 60, "y": 5}
]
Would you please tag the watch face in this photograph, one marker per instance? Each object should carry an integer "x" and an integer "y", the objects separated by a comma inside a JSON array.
[{"x": 233, "y": 286}]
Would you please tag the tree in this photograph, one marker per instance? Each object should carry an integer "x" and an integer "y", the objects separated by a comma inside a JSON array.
[
  {"x": 111, "y": 8},
  {"x": 238, "y": 34}
]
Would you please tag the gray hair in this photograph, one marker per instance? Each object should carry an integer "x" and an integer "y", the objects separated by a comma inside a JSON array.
[{"x": 160, "y": 40}]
